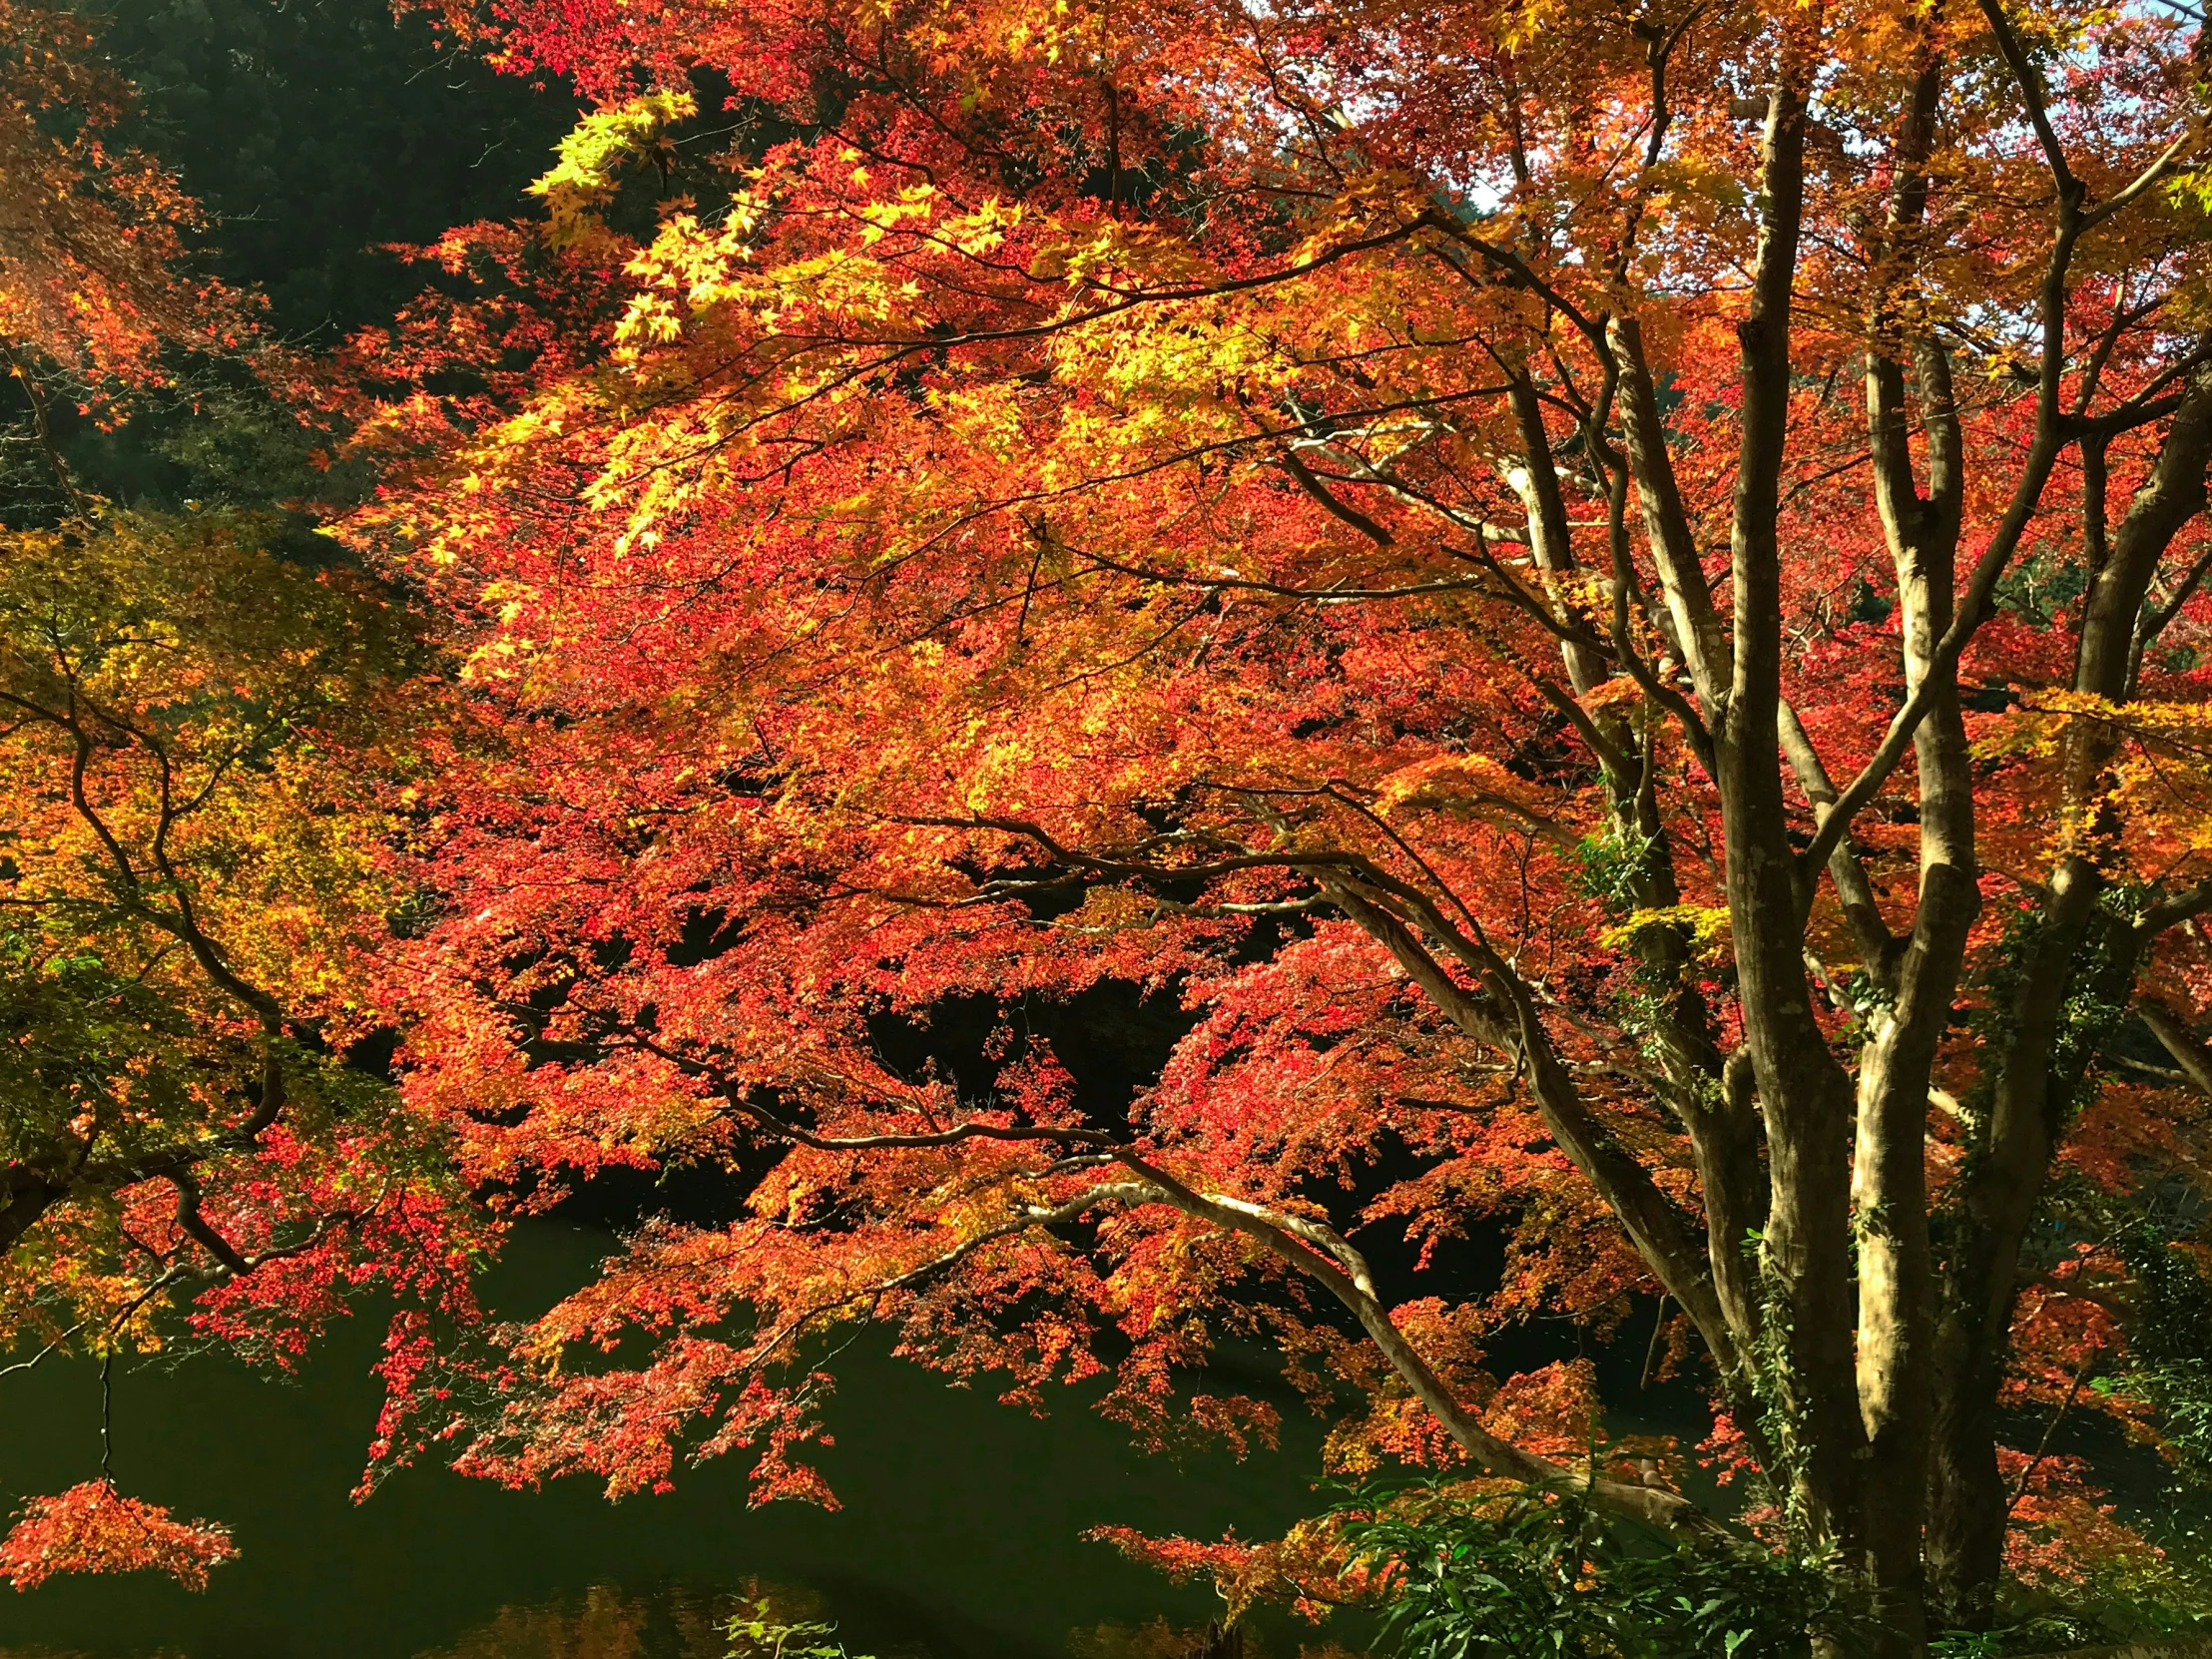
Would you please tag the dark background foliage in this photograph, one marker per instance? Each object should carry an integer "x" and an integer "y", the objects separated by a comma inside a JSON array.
[{"x": 316, "y": 133}]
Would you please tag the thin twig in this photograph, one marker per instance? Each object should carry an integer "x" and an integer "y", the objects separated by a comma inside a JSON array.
[{"x": 2081, "y": 1374}]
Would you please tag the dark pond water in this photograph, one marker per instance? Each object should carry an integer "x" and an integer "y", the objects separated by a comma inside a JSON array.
[{"x": 960, "y": 1537}]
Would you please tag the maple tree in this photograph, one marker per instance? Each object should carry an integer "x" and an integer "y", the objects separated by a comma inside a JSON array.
[
  {"x": 196, "y": 1151},
  {"x": 177, "y": 877},
  {"x": 1433, "y": 536},
  {"x": 187, "y": 868},
  {"x": 1430, "y": 536}
]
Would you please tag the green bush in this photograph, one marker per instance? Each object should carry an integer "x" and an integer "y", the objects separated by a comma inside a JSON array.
[{"x": 1540, "y": 1574}]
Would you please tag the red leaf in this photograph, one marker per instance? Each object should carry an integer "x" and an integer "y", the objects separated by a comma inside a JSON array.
[{"x": 95, "y": 1529}]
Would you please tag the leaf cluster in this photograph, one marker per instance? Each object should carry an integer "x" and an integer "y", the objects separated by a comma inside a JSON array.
[
  {"x": 761, "y": 1632},
  {"x": 1532, "y": 1573}
]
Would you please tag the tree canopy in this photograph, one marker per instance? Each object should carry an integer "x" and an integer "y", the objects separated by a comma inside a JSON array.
[
  {"x": 1431, "y": 539},
  {"x": 1607, "y": 598},
  {"x": 197, "y": 854}
]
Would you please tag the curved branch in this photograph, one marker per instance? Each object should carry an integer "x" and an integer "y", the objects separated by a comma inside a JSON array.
[
  {"x": 1324, "y": 1257},
  {"x": 2175, "y": 1037},
  {"x": 784, "y": 1129}
]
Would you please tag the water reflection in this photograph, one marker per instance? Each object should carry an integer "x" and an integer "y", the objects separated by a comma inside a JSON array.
[
  {"x": 670, "y": 1622},
  {"x": 962, "y": 1535},
  {"x": 604, "y": 1623},
  {"x": 607, "y": 1621},
  {"x": 679, "y": 1623}
]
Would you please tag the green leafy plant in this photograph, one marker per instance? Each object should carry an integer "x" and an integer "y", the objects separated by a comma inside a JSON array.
[
  {"x": 759, "y": 1633},
  {"x": 1540, "y": 1574}
]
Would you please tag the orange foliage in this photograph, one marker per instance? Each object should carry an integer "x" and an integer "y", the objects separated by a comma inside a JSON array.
[{"x": 94, "y": 1528}]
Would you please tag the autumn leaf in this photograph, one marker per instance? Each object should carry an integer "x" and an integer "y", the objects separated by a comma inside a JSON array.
[{"x": 91, "y": 1527}]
